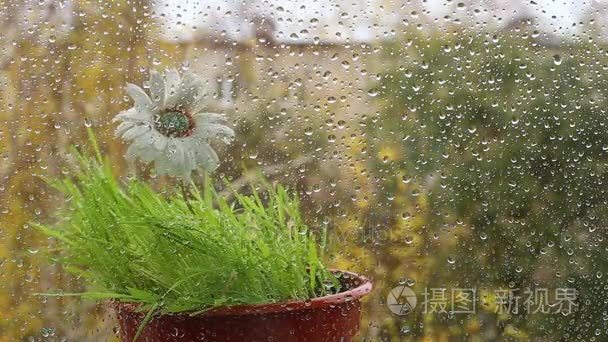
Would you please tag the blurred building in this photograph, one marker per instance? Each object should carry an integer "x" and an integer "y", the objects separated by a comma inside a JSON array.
[{"x": 304, "y": 74}]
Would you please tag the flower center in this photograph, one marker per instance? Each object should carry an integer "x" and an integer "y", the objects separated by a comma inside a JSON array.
[{"x": 175, "y": 122}]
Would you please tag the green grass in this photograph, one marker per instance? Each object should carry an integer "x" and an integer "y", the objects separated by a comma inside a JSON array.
[{"x": 171, "y": 255}]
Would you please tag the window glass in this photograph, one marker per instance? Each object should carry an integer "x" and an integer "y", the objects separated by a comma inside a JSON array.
[{"x": 456, "y": 152}]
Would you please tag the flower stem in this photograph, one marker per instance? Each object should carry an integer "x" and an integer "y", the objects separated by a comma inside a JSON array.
[{"x": 187, "y": 195}]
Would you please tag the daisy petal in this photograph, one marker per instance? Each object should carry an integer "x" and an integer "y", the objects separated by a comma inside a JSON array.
[
  {"x": 172, "y": 87},
  {"x": 176, "y": 154},
  {"x": 162, "y": 165},
  {"x": 157, "y": 89},
  {"x": 160, "y": 141},
  {"x": 131, "y": 153},
  {"x": 139, "y": 96},
  {"x": 122, "y": 128},
  {"x": 133, "y": 115},
  {"x": 190, "y": 91},
  {"x": 207, "y": 118},
  {"x": 206, "y": 156},
  {"x": 189, "y": 161},
  {"x": 216, "y": 131},
  {"x": 145, "y": 152},
  {"x": 135, "y": 132}
]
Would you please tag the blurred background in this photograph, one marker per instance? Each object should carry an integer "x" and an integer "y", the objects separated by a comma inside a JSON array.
[{"x": 444, "y": 143}]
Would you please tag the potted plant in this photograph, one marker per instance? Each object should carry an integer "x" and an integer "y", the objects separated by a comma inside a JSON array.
[{"x": 189, "y": 264}]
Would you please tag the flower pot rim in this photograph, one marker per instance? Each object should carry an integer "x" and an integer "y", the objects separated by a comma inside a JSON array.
[{"x": 362, "y": 287}]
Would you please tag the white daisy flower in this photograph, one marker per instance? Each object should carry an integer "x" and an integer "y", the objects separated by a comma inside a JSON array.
[{"x": 169, "y": 127}]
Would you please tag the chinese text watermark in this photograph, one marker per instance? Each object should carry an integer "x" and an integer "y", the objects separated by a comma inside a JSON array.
[{"x": 402, "y": 300}]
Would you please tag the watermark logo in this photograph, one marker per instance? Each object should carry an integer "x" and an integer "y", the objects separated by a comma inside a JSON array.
[{"x": 401, "y": 300}]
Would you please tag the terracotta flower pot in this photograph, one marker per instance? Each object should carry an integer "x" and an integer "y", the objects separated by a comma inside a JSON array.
[{"x": 330, "y": 318}]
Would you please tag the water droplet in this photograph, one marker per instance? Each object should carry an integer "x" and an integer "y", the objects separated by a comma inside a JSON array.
[{"x": 557, "y": 59}]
